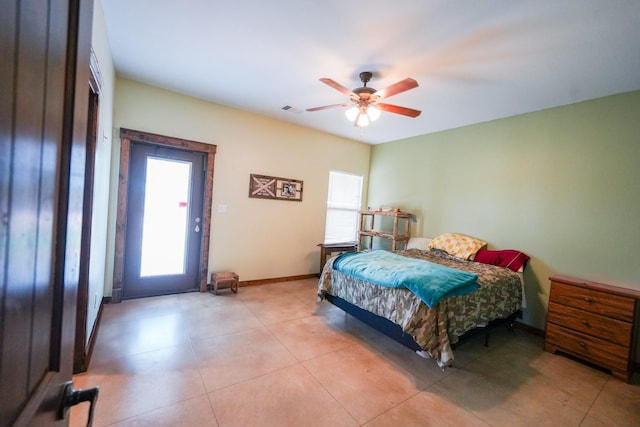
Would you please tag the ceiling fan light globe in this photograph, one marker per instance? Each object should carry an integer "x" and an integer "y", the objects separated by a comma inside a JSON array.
[
  {"x": 373, "y": 113},
  {"x": 352, "y": 113},
  {"x": 363, "y": 120}
]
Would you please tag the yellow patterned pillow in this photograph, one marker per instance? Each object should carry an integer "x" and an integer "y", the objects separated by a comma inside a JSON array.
[{"x": 458, "y": 245}]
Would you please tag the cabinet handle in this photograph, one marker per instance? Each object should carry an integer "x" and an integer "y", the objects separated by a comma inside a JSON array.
[
  {"x": 587, "y": 299},
  {"x": 583, "y": 345},
  {"x": 585, "y": 323}
]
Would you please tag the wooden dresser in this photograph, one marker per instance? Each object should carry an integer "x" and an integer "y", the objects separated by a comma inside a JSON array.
[{"x": 593, "y": 322}]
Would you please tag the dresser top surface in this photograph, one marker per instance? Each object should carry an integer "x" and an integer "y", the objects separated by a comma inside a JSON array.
[{"x": 588, "y": 284}]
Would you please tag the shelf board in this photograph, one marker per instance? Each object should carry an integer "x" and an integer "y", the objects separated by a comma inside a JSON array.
[
  {"x": 384, "y": 235},
  {"x": 388, "y": 213}
]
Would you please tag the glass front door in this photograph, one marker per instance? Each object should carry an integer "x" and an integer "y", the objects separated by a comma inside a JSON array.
[
  {"x": 164, "y": 212},
  {"x": 165, "y": 217}
]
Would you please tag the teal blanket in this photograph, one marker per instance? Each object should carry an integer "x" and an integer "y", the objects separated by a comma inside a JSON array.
[{"x": 429, "y": 281}]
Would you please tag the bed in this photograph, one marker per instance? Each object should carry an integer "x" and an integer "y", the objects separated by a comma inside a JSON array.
[{"x": 432, "y": 330}]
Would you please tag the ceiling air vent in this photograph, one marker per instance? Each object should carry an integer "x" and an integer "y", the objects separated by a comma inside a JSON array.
[{"x": 291, "y": 109}]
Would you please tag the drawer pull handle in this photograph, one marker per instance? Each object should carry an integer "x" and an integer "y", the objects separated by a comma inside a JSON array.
[
  {"x": 583, "y": 345},
  {"x": 585, "y": 323},
  {"x": 587, "y": 299}
]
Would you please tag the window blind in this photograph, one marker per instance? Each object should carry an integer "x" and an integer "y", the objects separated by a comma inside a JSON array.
[{"x": 343, "y": 206}]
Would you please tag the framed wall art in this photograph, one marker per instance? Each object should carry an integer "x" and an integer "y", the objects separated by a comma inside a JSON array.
[{"x": 271, "y": 187}]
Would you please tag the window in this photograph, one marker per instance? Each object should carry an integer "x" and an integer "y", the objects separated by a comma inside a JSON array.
[{"x": 343, "y": 205}]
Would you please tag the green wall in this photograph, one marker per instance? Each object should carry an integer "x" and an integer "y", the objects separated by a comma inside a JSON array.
[{"x": 562, "y": 185}]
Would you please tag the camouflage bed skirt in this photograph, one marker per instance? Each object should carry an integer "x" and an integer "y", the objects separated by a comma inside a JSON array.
[{"x": 434, "y": 329}]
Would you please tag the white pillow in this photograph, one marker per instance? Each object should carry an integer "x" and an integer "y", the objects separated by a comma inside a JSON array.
[{"x": 421, "y": 243}]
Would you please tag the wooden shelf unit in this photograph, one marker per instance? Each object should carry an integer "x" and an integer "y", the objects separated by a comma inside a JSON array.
[
  {"x": 593, "y": 322},
  {"x": 399, "y": 235}
]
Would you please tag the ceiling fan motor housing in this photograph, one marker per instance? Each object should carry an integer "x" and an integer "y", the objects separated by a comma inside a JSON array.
[
  {"x": 365, "y": 76},
  {"x": 364, "y": 92}
]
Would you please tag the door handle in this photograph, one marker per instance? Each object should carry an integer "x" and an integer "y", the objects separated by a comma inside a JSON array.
[{"x": 72, "y": 397}]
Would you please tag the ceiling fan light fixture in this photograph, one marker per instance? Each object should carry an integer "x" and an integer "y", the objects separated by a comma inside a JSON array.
[
  {"x": 352, "y": 113},
  {"x": 373, "y": 113},
  {"x": 362, "y": 120},
  {"x": 362, "y": 116},
  {"x": 365, "y": 107}
]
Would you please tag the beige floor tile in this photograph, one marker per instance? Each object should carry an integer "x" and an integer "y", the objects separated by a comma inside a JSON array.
[
  {"x": 473, "y": 347},
  {"x": 155, "y": 358},
  {"x": 334, "y": 315},
  {"x": 365, "y": 382},
  {"x": 139, "y": 335},
  {"x": 424, "y": 410},
  {"x": 575, "y": 378},
  {"x": 233, "y": 358},
  {"x": 190, "y": 413},
  {"x": 590, "y": 421},
  {"x": 426, "y": 370},
  {"x": 306, "y": 289},
  {"x": 525, "y": 339},
  {"x": 204, "y": 322},
  {"x": 518, "y": 363},
  {"x": 79, "y": 414},
  {"x": 289, "y": 397},
  {"x": 618, "y": 403},
  {"x": 469, "y": 351},
  {"x": 378, "y": 342},
  {"x": 263, "y": 292},
  {"x": 510, "y": 399},
  {"x": 135, "y": 309},
  {"x": 281, "y": 309},
  {"x": 135, "y": 384},
  {"x": 197, "y": 300},
  {"x": 311, "y": 336}
]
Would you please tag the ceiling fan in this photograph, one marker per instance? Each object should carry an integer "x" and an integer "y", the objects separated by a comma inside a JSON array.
[{"x": 365, "y": 100}]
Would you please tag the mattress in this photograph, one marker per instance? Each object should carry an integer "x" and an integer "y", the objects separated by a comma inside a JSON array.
[{"x": 434, "y": 329}]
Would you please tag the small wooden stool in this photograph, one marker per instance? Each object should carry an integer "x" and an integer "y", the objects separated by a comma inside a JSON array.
[{"x": 223, "y": 281}]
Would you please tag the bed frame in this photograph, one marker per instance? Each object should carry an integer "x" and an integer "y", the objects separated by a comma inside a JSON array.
[{"x": 396, "y": 333}]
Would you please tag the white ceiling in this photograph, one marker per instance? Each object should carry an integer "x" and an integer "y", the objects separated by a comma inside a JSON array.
[{"x": 474, "y": 60}]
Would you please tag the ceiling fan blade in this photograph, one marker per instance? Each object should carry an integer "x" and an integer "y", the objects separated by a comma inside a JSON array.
[
  {"x": 396, "y": 88},
  {"x": 326, "y": 107},
  {"x": 338, "y": 87},
  {"x": 398, "y": 110}
]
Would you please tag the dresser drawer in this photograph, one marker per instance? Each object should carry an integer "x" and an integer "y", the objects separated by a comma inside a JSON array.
[
  {"x": 615, "y": 306},
  {"x": 609, "y": 329},
  {"x": 589, "y": 348}
]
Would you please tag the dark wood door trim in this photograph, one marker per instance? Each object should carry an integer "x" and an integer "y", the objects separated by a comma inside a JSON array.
[
  {"x": 127, "y": 136},
  {"x": 81, "y": 352}
]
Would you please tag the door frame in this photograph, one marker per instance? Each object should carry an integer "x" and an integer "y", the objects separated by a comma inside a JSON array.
[
  {"x": 82, "y": 348},
  {"x": 127, "y": 137}
]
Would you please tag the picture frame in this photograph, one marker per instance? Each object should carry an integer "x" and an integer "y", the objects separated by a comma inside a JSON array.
[
  {"x": 276, "y": 188},
  {"x": 262, "y": 186}
]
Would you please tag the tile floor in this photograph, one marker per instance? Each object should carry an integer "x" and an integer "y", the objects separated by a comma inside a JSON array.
[{"x": 272, "y": 356}]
